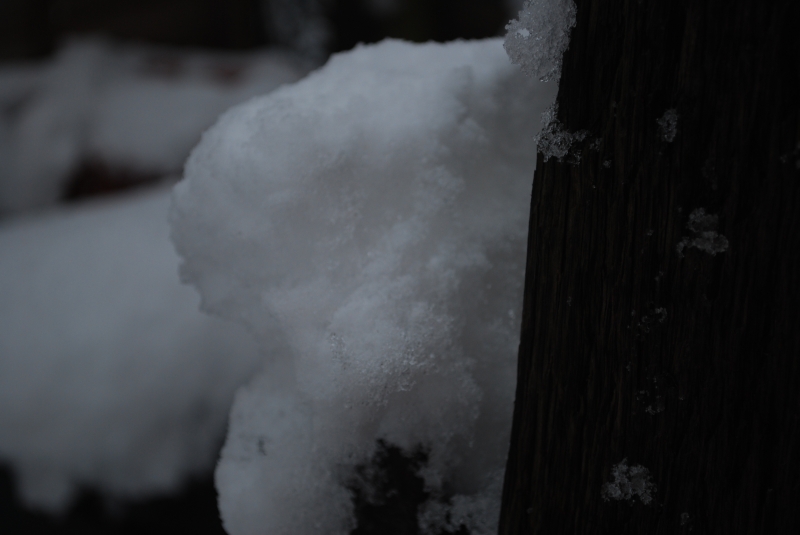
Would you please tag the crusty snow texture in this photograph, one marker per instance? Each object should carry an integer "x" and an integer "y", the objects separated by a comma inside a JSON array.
[
  {"x": 537, "y": 39},
  {"x": 368, "y": 224},
  {"x": 109, "y": 375}
]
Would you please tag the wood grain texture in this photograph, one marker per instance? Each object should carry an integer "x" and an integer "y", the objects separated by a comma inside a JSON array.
[{"x": 705, "y": 393}]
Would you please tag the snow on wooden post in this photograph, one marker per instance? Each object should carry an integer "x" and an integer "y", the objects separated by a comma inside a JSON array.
[{"x": 659, "y": 350}]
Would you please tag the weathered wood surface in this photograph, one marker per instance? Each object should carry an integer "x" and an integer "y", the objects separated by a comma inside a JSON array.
[{"x": 708, "y": 400}]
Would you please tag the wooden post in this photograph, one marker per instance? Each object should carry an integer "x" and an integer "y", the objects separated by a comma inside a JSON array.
[{"x": 660, "y": 336}]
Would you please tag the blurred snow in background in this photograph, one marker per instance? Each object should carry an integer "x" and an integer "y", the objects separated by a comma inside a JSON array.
[
  {"x": 136, "y": 110},
  {"x": 110, "y": 377},
  {"x": 368, "y": 224}
]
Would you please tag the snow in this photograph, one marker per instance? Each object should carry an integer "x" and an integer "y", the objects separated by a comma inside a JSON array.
[
  {"x": 704, "y": 234},
  {"x": 133, "y": 107},
  {"x": 668, "y": 125},
  {"x": 109, "y": 375},
  {"x": 629, "y": 482},
  {"x": 537, "y": 39},
  {"x": 555, "y": 141},
  {"x": 368, "y": 224}
]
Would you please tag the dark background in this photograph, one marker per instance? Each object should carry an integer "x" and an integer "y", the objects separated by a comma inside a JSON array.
[{"x": 33, "y": 29}]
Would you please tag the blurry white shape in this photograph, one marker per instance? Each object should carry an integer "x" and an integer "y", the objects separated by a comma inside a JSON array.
[
  {"x": 151, "y": 123},
  {"x": 109, "y": 375},
  {"x": 47, "y": 136},
  {"x": 106, "y": 102},
  {"x": 369, "y": 225},
  {"x": 537, "y": 39}
]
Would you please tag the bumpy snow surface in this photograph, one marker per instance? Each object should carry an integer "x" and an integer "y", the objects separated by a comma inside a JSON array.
[
  {"x": 134, "y": 108},
  {"x": 109, "y": 375},
  {"x": 368, "y": 224},
  {"x": 539, "y": 36}
]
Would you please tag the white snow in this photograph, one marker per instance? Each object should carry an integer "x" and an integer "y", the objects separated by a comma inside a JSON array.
[
  {"x": 368, "y": 224},
  {"x": 537, "y": 39},
  {"x": 133, "y": 107},
  {"x": 109, "y": 375}
]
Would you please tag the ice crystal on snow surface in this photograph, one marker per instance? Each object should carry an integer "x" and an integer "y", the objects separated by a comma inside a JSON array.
[{"x": 538, "y": 38}]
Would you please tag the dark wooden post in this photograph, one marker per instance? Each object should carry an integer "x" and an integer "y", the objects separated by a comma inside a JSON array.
[{"x": 661, "y": 322}]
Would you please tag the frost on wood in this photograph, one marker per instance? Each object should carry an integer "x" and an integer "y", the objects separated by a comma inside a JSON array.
[
  {"x": 368, "y": 224},
  {"x": 555, "y": 141},
  {"x": 110, "y": 377},
  {"x": 629, "y": 482},
  {"x": 704, "y": 234},
  {"x": 668, "y": 125},
  {"x": 538, "y": 38}
]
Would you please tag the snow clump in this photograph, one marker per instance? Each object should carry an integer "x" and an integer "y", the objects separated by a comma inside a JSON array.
[
  {"x": 555, "y": 141},
  {"x": 538, "y": 38},
  {"x": 629, "y": 482},
  {"x": 706, "y": 238},
  {"x": 109, "y": 375},
  {"x": 368, "y": 224}
]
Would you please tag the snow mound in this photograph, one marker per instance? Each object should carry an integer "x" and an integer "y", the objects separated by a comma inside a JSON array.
[
  {"x": 135, "y": 108},
  {"x": 109, "y": 375},
  {"x": 368, "y": 224}
]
